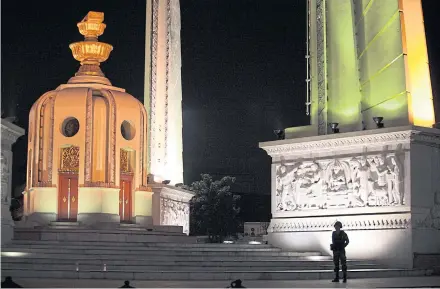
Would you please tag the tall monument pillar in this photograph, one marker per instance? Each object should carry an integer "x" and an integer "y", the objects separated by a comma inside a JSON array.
[
  {"x": 163, "y": 89},
  {"x": 379, "y": 177}
]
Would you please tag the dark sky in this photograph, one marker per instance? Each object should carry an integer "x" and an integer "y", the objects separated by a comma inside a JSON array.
[{"x": 243, "y": 71}]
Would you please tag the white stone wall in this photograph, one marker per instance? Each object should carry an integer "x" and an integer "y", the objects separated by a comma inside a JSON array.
[{"x": 377, "y": 183}]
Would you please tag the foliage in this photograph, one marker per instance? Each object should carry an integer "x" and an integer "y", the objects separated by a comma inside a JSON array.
[{"x": 214, "y": 208}]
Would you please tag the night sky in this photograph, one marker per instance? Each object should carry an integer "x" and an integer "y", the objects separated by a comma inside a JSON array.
[{"x": 243, "y": 71}]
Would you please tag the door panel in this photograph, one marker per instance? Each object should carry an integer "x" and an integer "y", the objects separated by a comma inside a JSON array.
[
  {"x": 68, "y": 197},
  {"x": 125, "y": 198}
]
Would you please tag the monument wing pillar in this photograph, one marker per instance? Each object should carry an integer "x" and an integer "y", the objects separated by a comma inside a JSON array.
[{"x": 9, "y": 134}]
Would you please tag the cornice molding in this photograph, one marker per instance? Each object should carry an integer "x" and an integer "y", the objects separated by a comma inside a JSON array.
[
  {"x": 366, "y": 222},
  {"x": 10, "y": 131},
  {"x": 176, "y": 194},
  {"x": 351, "y": 141}
]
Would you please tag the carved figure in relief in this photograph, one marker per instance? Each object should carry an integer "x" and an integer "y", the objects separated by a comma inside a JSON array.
[
  {"x": 311, "y": 186},
  {"x": 287, "y": 184},
  {"x": 4, "y": 178},
  {"x": 337, "y": 174},
  {"x": 379, "y": 196},
  {"x": 433, "y": 218},
  {"x": 352, "y": 182},
  {"x": 393, "y": 181}
]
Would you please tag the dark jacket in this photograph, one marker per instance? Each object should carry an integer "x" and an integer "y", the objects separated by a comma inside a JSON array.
[{"x": 339, "y": 241}]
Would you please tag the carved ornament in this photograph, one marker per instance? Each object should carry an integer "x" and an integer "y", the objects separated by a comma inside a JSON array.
[
  {"x": 70, "y": 159},
  {"x": 366, "y": 222},
  {"x": 339, "y": 143},
  {"x": 176, "y": 194},
  {"x": 174, "y": 213}
]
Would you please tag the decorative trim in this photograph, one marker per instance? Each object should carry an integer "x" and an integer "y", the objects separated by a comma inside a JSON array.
[
  {"x": 141, "y": 146},
  {"x": 322, "y": 66},
  {"x": 342, "y": 142},
  {"x": 167, "y": 81},
  {"x": 89, "y": 140},
  {"x": 154, "y": 47},
  {"x": 176, "y": 194},
  {"x": 50, "y": 149},
  {"x": 365, "y": 222},
  {"x": 112, "y": 104}
]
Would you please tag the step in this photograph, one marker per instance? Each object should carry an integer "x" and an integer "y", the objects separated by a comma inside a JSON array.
[
  {"x": 131, "y": 244},
  {"x": 101, "y": 235},
  {"x": 213, "y": 267},
  {"x": 110, "y": 262},
  {"x": 207, "y": 275},
  {"x": 140, "y": 247},
  {"x": 152, "y": 252},
  {"x": 152, "y": 258}
]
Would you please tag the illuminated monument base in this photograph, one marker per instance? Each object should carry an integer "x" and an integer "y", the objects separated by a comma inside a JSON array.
[{"x": 382, "y": 184}]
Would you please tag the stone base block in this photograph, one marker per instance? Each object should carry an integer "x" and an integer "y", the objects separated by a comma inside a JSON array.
[
  {"x": 37, "y": 220},
  {"x": 99, "y": 220},
  {"x": 143, "y": 221}
]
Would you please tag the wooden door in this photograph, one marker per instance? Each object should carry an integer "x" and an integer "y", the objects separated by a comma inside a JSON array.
[
  {"x": 68, "y": 197},
  {"x": 125, "y": 198}
]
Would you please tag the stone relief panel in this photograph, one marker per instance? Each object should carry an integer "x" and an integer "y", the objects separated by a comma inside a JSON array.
[
  {"x": 432, "y": 220},
  {"x": 174, "y": 213},
  {"x": 363, "y": 181},
  {"x": 4, "y": 178}
]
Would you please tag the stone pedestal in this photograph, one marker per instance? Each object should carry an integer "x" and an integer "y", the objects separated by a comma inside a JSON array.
[
  {"x": 383, "y": 185},
  {"x": 9, "y": 134},
  {"x": 171, "y": 207}
]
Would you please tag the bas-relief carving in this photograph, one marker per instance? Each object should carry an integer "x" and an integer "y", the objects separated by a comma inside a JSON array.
[
  {"x": 4, "y": 178},
  {"x": 432, "y": 220},
  {"x": 174, "y": 213},
  {"x": 374, "y": 180}
]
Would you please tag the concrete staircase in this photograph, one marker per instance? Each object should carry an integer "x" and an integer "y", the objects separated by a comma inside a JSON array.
[{"x": 132, "y": 254}]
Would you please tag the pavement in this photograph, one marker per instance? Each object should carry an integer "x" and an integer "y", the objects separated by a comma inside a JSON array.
[{"x": 402, "y": 282}]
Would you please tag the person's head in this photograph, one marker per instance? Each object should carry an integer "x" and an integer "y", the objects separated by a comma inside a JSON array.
[
  {"x": 126, "y": 282},
  {"x": 338, "y": 226},
  {"x": 8, "y": 278}
]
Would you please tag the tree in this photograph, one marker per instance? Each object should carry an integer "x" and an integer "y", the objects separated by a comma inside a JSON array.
[{"x": 214, "y": 208}]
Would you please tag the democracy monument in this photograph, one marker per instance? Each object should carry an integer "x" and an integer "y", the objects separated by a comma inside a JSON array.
[
  {"x": 103, "y": 198},
  {"x": 371, "y": 156}
]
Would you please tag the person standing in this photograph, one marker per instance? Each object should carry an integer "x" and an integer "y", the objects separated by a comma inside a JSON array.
[{"x": 339, "y": 242}]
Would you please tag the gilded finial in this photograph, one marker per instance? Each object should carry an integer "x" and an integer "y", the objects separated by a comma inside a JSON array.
[{"x": 90, "y": 52}]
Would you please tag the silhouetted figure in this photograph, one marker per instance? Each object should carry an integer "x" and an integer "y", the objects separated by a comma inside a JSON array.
[
  {"x": 126, "y": 285},
  {"x": 236, "y": 284},
  {"x": 8, "y": 283},
  {"x": 339, "y": 242}
]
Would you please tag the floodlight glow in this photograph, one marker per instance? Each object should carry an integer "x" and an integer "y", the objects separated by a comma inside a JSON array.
[{"x": 14, "y": 254}]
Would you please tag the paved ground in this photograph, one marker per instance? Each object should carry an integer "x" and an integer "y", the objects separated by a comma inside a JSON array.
[{"x": 406, "y": 282}]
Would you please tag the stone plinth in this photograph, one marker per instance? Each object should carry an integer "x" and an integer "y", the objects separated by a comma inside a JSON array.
[
  {"x": 9, "y": 134},
  {"x": 171, "y": 207},
  {"x": 383, "y": 185}
]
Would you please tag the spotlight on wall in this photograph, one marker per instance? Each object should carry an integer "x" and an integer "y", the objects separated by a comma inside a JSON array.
[
  {"x": 334, "y": 127},
  {"x": 166, "y": 182},
  {"x": 279, "y": 133},
  {"x": 378, "y": 121}
]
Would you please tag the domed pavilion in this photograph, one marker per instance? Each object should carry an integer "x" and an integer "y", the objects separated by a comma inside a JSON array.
[{"x": 87, "y": 151}]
